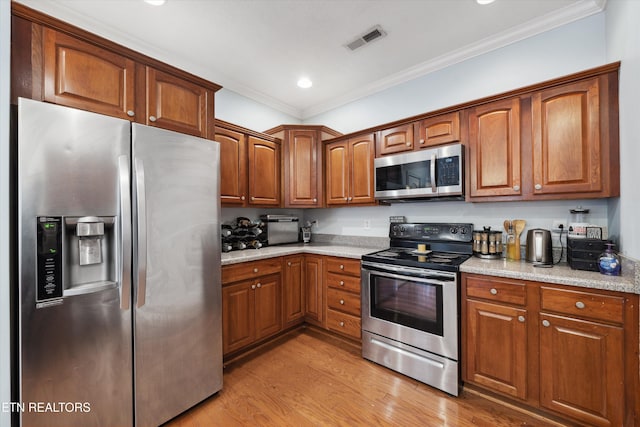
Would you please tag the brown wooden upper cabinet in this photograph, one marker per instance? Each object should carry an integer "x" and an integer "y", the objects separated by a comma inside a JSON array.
[
  {"x": 395, "y": 140},
  {"x": 249, "y": 166},
  {"x": 82, "y": 75},
  {"x": 55, "y": 62},
  {"x": 177, "y": 104},
  {"x": 567, "y": 148},
  {"x": 494, "y": 149},
  {"x": 349, "y": 171},
  {"x": 302, "y": 160},
  {"x": 437, "y": 130}
]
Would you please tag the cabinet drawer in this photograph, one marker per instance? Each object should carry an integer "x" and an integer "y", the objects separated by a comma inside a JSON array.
[
  {"x": 497, "y": 290},
  {"x": 248, "y": 270},
  {"x": 341, "y": 281},
  {"x": 582, "y": 304},
  {"x": 344, "y": 323},
  {"x": 343, "y": 301},
  {"x": 344, "y": 266}
]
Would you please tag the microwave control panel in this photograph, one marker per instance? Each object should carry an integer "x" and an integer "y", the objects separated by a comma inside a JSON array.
[{"x": 448, "y": 171}]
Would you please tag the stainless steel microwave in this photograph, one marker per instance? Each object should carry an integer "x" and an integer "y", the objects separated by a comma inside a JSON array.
[{"x": 434, "y": 172}]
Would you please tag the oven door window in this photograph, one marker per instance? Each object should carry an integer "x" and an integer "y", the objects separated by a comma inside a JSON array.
[
  {"x": 407, "y": 176},
  {"x": 406, "y": 302}
]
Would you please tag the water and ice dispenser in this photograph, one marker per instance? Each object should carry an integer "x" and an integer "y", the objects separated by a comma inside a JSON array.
[{"x": 76, "y": 255}]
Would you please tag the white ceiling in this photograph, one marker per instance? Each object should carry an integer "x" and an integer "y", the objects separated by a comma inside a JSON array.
[{"x": 259, "y": 48}]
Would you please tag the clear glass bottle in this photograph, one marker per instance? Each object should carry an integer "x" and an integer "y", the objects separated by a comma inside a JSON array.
[{"x": 609, "y": 262}]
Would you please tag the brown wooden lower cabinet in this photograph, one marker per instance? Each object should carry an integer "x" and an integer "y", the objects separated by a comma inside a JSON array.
[
  {"x": 313, "y": 285},
  {"x": 293, "y": 295},
  {"x": 568, "y": 351}
]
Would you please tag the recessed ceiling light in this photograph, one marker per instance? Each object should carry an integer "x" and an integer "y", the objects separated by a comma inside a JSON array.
[
  {"x": 305, "y": 83},
  {"x": 155, "y": 2},
  {"x": 484, "y": 1}
]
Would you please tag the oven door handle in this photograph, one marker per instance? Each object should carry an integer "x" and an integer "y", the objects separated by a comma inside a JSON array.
[{"x": 403, "y": 273}]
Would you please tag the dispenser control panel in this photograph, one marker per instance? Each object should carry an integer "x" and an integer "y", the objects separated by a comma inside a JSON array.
[{"x": 49, "y": 235}]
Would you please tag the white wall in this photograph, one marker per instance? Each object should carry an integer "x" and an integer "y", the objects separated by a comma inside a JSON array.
[
  {"x": 623, "y": 43},
  {"x": 242, "y": 111},
  {"x": 5, "y": 317},
  {"x": 565, "y": 50}
]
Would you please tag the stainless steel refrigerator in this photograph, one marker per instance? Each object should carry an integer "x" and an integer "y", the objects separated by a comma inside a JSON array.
[{"x": 119, "y": 292}]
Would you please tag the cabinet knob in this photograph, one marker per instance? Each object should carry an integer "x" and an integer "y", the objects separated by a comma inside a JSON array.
[
  {"x": 516, "y": 188},
  {"x": 255, "y": 270},
  {"x": 289, "y": 263},
  {"x": 580, "y": 305},
  {"x": 130, "y": 113},
  {"x": 252, "y": 198},
  {"x": 408, "y": 144},
  {"x": 315, "y": 200},
  {"x": 546, "y": 323},
  {"x": 253, "y": 286},
  {"x": 350, "y": 198},
  {"x": 346, "y": 199},
  {"x": 494, "y": 291},
  {"x": 341, "y": 282},
  {"x": 341, "y": 267},
  {"x": 152, "y": 118},
  {"x": 242, "y": 197},
  {"x": 342, "y": 324},
  {"x": 422, "y": 141},
  {"x": 521, "y": 319},
  {"x": 538, "y": 187},
  {"x": 341, "y": 302},
  {"x": 259, "y": 285}
]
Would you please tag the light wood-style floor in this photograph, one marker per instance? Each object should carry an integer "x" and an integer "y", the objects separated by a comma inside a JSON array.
[{"x": 308, "y": 378}]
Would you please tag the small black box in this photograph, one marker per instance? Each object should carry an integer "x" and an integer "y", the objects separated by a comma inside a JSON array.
[{"x": 582, "y": 254}]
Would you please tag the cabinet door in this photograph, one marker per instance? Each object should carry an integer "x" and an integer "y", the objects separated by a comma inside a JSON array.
[
  {"x": 438, "y": 130},
  {"x": 292, "y": 290},
  {"x": 313, "y": 290},
  {"x": 496, "y": 347},
  {"x": 494, "y": 149},
  {"x": 581, "y": 370},
  {"x": 81, "y": 75},
  {"x": 303, "y": 176},
  {"x": 566, "y": 139},
  {"x": 395, "y": 140},
  {"x": 238, "y": 321},
  {"x": 361, "y": 155},
  {"x": 233, "y": 167},
  {"x": 268, "y": 313},
  {"x": 337, "y": 173},
  {"x": 264, "y": 172},
  {"x": 176, "y": 104}
]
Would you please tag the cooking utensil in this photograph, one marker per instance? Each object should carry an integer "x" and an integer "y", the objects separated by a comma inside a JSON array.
[
  {"x": 518, "y": 228},
  {"x": 507, "y": 225}
]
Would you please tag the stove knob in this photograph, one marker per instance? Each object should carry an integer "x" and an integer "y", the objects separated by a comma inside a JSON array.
[
  {"x": 453, "y": 230},
  {"x": 463, "y": 230}
]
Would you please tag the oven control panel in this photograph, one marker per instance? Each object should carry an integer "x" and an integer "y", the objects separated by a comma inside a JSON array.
[{"x": 432, "y": 231}]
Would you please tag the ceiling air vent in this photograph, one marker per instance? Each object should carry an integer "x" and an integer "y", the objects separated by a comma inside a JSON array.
[{"x": 369, "y": 36}]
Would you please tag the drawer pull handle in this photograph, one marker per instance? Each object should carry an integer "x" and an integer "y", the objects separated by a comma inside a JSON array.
[
  {"x": 408, "y": 144},
  {"x": 494, "y": 291},
  {"x": 546, "y": 323},
  {"x": 242, "y": 198},
  {"x": 341, "y": 282},
  {"x": 342, "y": 302},
  {"x": 341, "y": 267},
  {"x": 580, "y": 305},
  {"x": 516, "y": 188},
  {"x": 130, "y": 113},
  {"x": 152, "y": 118},
  {"x": 342, "y": 324},
  {"x": 521, "y": 319},
  {"x": 253, "y": 286},
  {"x": 289, "y": 263},
  {"x": 259, "y": 285},
  {"x": 422, "y": 141},
  {"x": 255, "y": 270},
  {"x": 538, "y": 187}
]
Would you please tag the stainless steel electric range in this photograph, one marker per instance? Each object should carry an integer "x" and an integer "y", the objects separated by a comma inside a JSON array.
[{"x": 410, "y": 301}]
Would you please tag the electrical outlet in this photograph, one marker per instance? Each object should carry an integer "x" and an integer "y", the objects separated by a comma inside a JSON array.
[
  {"x": 556, "y": 225},
  {"x": 367, "y": 224}
]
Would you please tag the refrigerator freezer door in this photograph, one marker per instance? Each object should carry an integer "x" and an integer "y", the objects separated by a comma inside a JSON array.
[
  {"x": 177, "y": 288},
  {"x": 75, "y": 345}
]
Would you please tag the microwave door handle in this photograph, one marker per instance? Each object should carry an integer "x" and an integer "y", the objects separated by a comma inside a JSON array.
[{"x": 432, "y": 168}]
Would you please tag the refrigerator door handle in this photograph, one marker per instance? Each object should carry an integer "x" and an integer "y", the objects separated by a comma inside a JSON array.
[
  {"x": 141, "y": 255},
  {"x": 125, "y": 229}
]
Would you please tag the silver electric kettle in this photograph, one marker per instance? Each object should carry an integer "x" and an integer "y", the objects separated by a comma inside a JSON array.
[{"x": 539, "y": 247}]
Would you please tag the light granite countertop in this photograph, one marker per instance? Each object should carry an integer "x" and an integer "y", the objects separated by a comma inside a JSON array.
[
  {"x": 560, "y": 274},
  {"x": 344, "y": 251}
]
